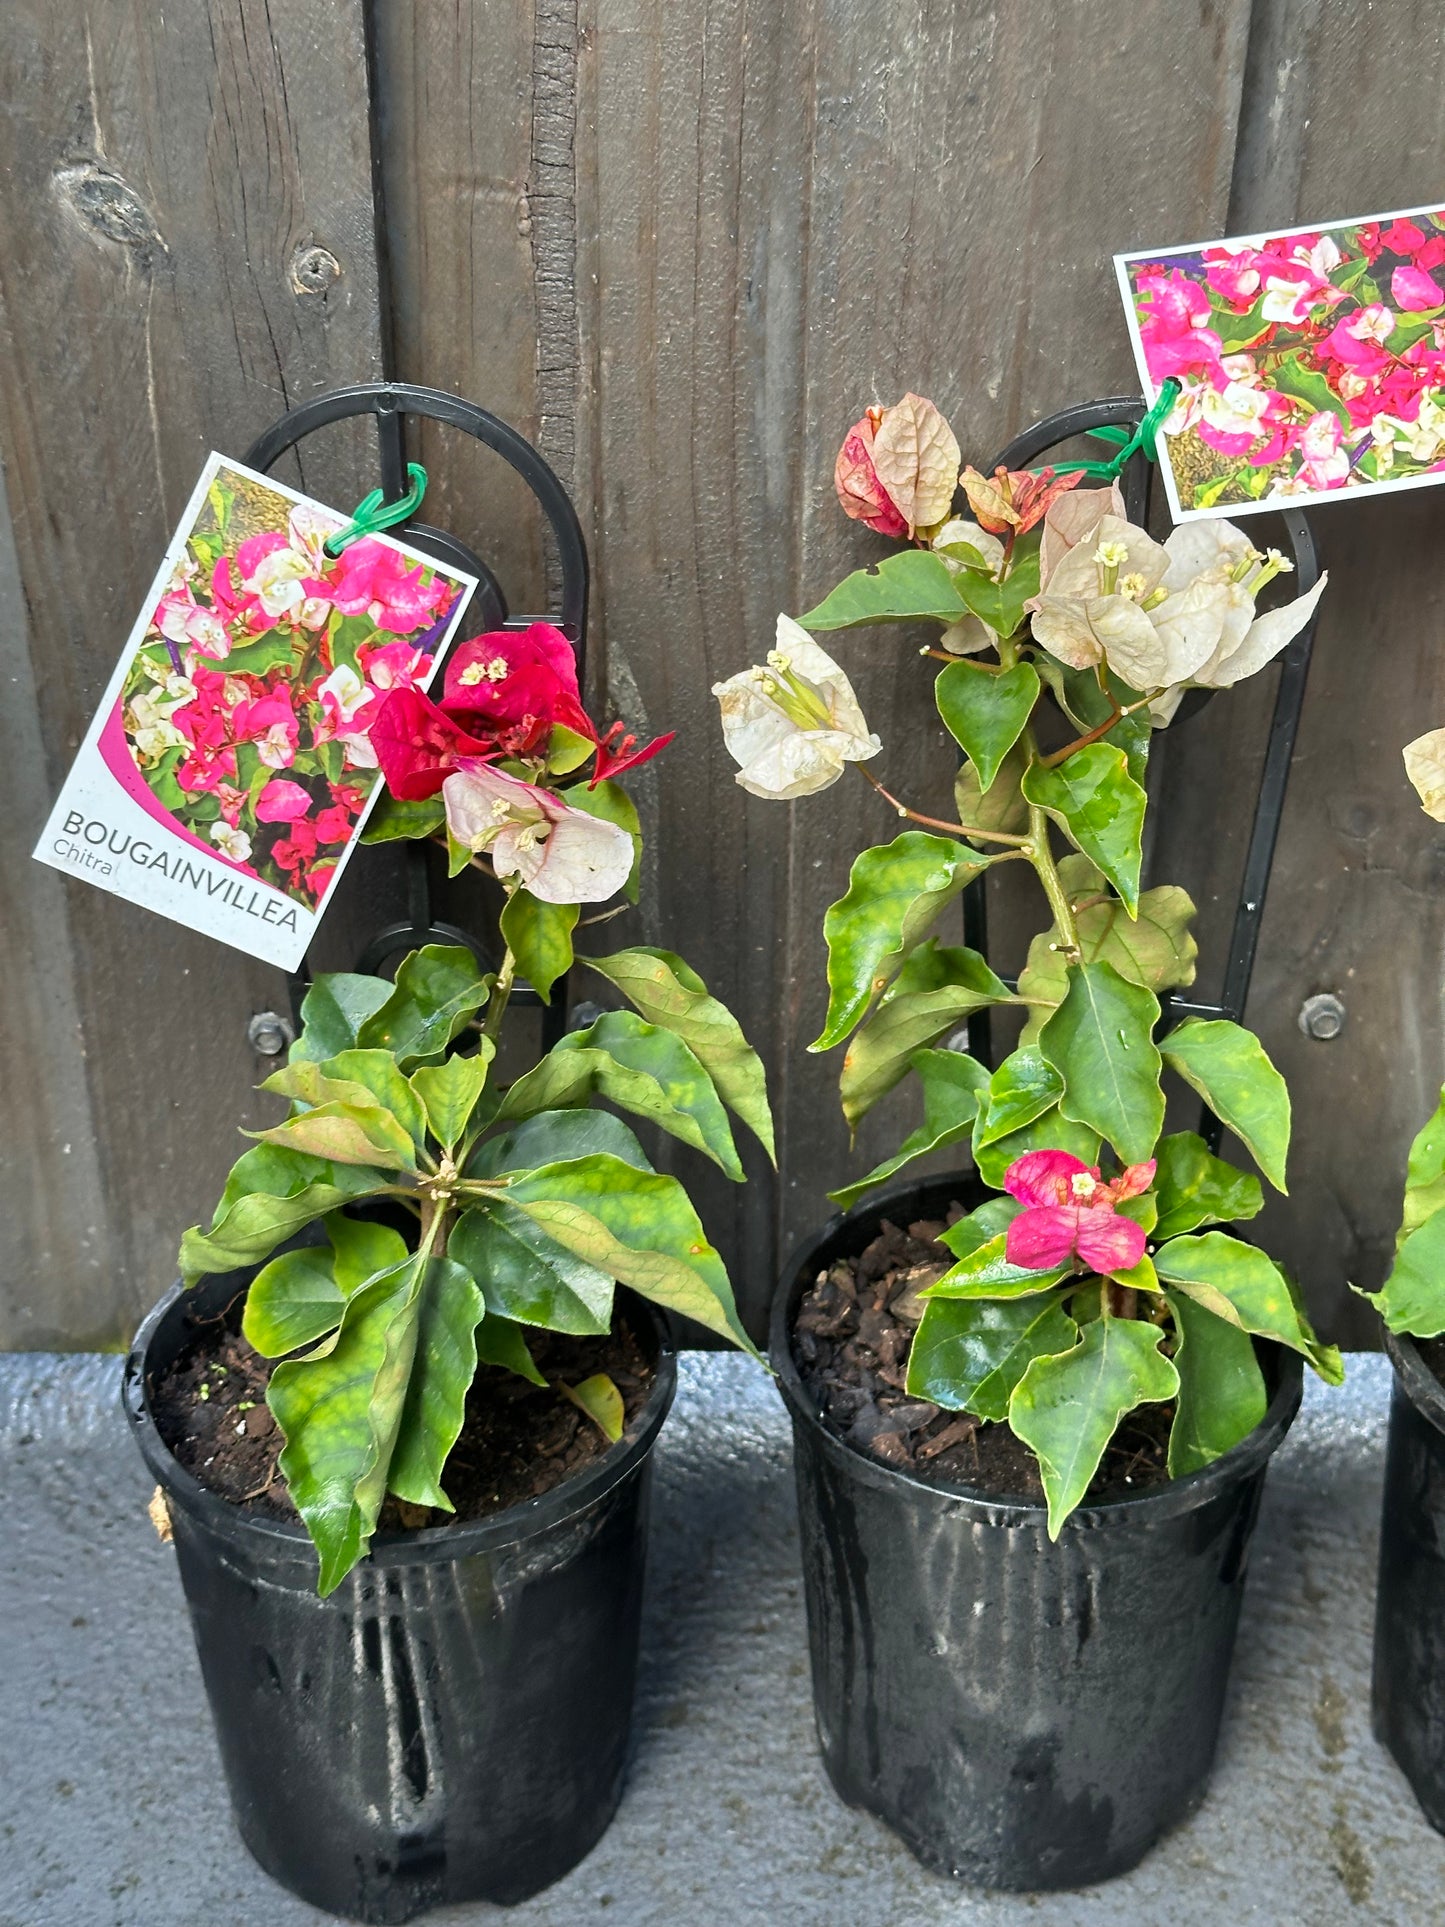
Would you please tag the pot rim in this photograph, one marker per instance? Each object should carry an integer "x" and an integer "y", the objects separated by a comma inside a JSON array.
[
  {"x": 418, "y": 1545},
  {"x": 1168, "y": 1501},
  {"x": 1416, "y": 1380}
]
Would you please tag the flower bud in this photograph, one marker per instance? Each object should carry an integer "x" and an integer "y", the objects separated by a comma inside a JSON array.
[{"x": 862, "y": 495}]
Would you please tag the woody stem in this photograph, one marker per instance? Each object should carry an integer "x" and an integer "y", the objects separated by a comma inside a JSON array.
[
  {"x": 937, "y": 822},
  {"x": 501, "y": 991},
  {"x": 1093, "y": 735}
]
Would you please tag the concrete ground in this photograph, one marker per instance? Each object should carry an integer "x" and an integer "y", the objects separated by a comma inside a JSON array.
[{"x": 727, "y": 1818}]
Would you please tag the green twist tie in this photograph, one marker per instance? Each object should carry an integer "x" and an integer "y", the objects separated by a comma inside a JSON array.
[
  {"x": 1145, "y": 438},
  {"x": 375, "y": 512}
]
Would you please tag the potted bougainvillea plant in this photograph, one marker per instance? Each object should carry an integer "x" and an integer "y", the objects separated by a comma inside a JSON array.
[
  {"x": 1409, "y": 1673},
  {"x": 1032, "y": 1402},
  {"x": 399, "y": 1414}
]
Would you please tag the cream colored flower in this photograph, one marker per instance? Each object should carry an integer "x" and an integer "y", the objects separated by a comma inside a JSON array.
[
  {"x": 1425, "y": 767},
  {"x": 970, "y": 633},
  {"x": 231, "y": 842},
  {"x": 793, "y": 725},
  {"x": 562, "y": 854}
]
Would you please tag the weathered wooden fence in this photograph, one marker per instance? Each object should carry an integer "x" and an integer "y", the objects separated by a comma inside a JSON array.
[{"x": 680, "y": 243}]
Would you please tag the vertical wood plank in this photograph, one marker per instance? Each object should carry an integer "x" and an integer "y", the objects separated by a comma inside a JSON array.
[{"x": 186, "y": 246}]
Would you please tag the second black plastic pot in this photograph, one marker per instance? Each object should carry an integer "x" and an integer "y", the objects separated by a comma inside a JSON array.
[
  {"x": 1023, "y": 1715},
  {"x": 450, "y": 1724},
  {"x": 1409, "y": 1674}
]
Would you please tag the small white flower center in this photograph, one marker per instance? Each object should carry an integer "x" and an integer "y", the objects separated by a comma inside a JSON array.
[
  {"x": 476, "y": 672},
  {"x": 1082, "y": 1187}
]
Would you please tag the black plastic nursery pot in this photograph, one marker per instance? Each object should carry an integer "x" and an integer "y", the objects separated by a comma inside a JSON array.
[
  {"x": 1409, "y": 1673},
  {"x": 451, "y": 1724},
  {"x": 1023, "y": 1715}
]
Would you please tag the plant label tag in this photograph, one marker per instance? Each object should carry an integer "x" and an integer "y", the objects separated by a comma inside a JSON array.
[
  {"x": 228, "y": 772},
  {"x": 1311, "y": 364}
]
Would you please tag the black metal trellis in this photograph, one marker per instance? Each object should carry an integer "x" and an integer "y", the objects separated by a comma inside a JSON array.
[
  {"x": 390, "y": 403},
  {"x": 1127, "y": 411}
]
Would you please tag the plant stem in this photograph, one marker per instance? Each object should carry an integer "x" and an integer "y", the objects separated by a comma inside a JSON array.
[
  {"x": 937, "y": 822},
  {"x": 1093, "y": 735},
  {"x": 1042, "y": 858},
  {"x": 969, "y": 662},
  {"x": 501, "y": 991}
]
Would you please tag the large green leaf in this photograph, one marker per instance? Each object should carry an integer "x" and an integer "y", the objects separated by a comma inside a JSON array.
[
  {"x": 902, "y": 587},
  {"x": 1155, "y": 949},
  {"x": 1068, "y": 1407},
  {"x": 527, "y": 1276},
  {"x": 252, "y": 1227},
  {"x": 1099, "y": 806},
  {"x": 552, "y": 1137},
  {"x": 880, "y": 1054},
  {"x": 449, "y": 1091},
  {"x": 1222, "y": 1394},
  {"x": 1001, "y": 603},
  {"x": 894, "y": 893},
  {"x": 438, "y": 989},
  {"x": 361, "y": 1249},
  {"x": 1239, "y": 1283},
  {"x": 1003, "y": 808},
  {"x": 641, "y": 1067},
  {"x": 1412, "y": 1298},
  {"x": 443, "y": 1366},
  {"x": 1100, "y": 1040},
  {"x": 974, "y": 1230},
  {"x": 987, "y": 1273},
  {"x": 361, "y": 1134},
  {"x": 1194, "y": 1187},
  {"x": 376, "y": 1072},
  {"x": 639, "y": 1228},
  {"x": 1022, "y": 1088},
  {"x": 667, "y": 992},
  {"x": 968, "y": 1354},
  {"x": 1047, "y": 1132},
  {"x": 612, "y": 803},
  {"x": 279, "y": 1173},
  {"x": 539, "y": 936},
  {"x": 1228, "y": 1067},
  {"x": 334, "y": 1010},
  {"x": 392, "y": 819},
  {"x": 340, "y": 1414},
  {"x": 1425, "y": 1173},
  {"x": 951, "y": 1085},
  {"x": 986, "y": 714},
  {"x": 293, "y": 1301}
]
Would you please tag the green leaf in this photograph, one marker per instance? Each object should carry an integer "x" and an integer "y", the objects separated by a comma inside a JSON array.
[
  {"x": 500, "y": 1342},
  {"x": 266, "y": 652},
  {"x": 894, "y": 893},
  {"x": 1048, "y": 1132},
  {"x": 334, "y": 1010},
  {"x": 1425, "y": 1174},
  {"x": 611, "y": 802},
  {"x": 1099, "y": 806},
  {"x": 1291, "y": 376},
  {"x": 1239, "y": 1283},
  {"x": 444, "y": 1364},
  {"x": 639, "y": 1228},
  {"x": 1001, "y": 604},
  {"x": 340, "y": 1414},
  {"x": 987, "y": 1273},
  {"x": 667, "y": 992},
  {"x": 986, "y": 715},
  {"x": 880, "y": 1055},
  {"x": 1155, "y": 949},
  {"x": 1412, "y": 1298},
  {"x": 552, "y": 1137},
  {"x": 280, "y": 1174},
  {"x": 968, "y": 1354},
  {"x": 974, "y": 1230},
  {"x": 600, "y": 1399},
  {"x": 902, "y": 587},
  {"x": 347, "y": 1134},
  {"x": 449, "y": 1091},
  {"x": 255, "y": 1224},
  {"x": 1228, "y": 1067},
  {"x": 375, "y": 1072},
  {"x": 527, "y": 1276},
  {"x": 1100, "y": 1040},
  {"x": 293, "y": 1301},
  {"x": 1022, "y": 1088},
  {"x": 566, "y": 750},
  {"x": 361, "y": 1249},
  {"x": 1004, "y": 808},
  {"x": 951, "y": 1086},
  {"x": 539, "y": 936},
  {"x": 1068, "y": 1407},
  {"x": 1084, "y": 701},
  {"x": 392, "y": 819},
  {"x": 438, "y": 989},
  {"x": 641, "y": 1067},
  {"x": 1194, "y": 1187},
  {"x": 1222, "y": 1395}
]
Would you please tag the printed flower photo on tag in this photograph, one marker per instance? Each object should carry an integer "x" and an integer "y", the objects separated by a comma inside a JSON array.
[
  {"x": 1310, "y": 364},
  {"x": 233, "y": 745}
]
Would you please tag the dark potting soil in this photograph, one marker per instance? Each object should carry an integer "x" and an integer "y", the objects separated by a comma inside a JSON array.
[
  {"x": 851, "y": 1340},
  {"x": 517, "y": 1439}
]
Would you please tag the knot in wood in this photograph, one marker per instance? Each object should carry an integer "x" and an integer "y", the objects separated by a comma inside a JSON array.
[{"x": 313, "y": 269}]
